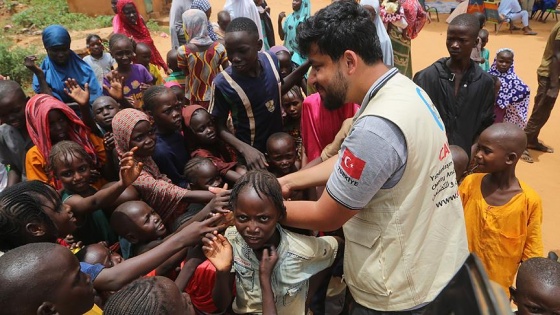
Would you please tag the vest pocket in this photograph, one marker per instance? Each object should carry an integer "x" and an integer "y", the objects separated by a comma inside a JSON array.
[{"x": 365, "y": 268}]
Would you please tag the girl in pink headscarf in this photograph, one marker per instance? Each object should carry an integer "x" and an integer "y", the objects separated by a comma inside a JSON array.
[{"x": 132, "y": 128}]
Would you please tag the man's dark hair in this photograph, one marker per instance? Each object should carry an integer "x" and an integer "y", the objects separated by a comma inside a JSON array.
[
  {"x": 341, "y": 26},
  {"x": 243, "y": 24},
  {"x": 468, "y": 20}
]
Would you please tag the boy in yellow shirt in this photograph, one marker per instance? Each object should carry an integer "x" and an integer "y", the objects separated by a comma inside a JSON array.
[{"x": 503, "y": 215}]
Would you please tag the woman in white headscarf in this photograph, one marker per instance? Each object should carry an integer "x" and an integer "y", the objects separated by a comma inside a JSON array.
[
  {"x": 384, "y": 39},
  {"x": 244, "y": 8}
]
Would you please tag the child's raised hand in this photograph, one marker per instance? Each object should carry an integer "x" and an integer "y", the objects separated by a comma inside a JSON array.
[
  {"x": 268, "y": 261},
  {"x": 130, "y": 168},
  {"x": 115, "y": 87},
  {"x": 73, "y": 89},
  {"x": 109, "y": 142},
  {"x": 282, "y": 15},
  {"x": 218, "y": 250},
  {"x": 29, "y": 63},
  {"x": 221, "y": 201}
]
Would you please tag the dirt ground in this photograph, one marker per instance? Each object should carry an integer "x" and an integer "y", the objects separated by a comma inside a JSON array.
[{"x": 428, "y": 47}]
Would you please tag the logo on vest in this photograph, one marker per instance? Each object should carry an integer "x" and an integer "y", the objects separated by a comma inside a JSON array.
[{"x": 352, "y": 165}]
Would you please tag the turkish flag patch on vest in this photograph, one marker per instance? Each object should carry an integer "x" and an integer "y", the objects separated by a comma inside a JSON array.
[{"x": 352, "y": 165}]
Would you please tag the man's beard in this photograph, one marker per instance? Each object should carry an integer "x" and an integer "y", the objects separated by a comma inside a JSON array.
[{"x": 335, "y": 95}]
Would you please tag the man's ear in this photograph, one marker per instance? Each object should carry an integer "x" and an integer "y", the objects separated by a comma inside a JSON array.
[
  {"x": 47, "y": 308},
  {"x": 350, "y": 60},
  {"x": 259, "y": 44},
  {"x": 35, "y": 229}
]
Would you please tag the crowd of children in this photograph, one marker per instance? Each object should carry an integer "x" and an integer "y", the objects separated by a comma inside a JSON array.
[{"x": 117, "y": 172}]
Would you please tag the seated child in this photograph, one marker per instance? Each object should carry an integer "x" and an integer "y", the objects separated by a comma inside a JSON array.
[
  {"x": 98, "y": 56},
  {"x": 143, "y": 56},
  {"x": 104, "y": 108},
  {"x": 154, "y": 295},
  {"x": 291, "y": 103},
  {"x": 200, "y": 59},
  {"x": 537, "y": 287},
  {"x": 44, "y": 112},
  {"x": 503, "y": 215},
  {"x": 257, "y": 204},
  {"x": 139, "y": 224},
  {"x": 132, "y": 128},
  {"x": 32, "y": 212},
  {"x": 250, "y": 89},
  {"x": 220, "y": 27},
  {"x": 281, "y": 154},
  {"x": 136, "y": 77},
  {"x": 484, "y": 52},
  {"x": 514, "y": 94},
  {"x": 202, "y": 135},
  {"x": 14, "y": 138},
  {"x": 51, "y": 278},
  {"x": 201, "y": 173},
  {"x": 71, "y": 164},
  {"x": 177, "y": 75},
  {"x": 170, "y": 153}
]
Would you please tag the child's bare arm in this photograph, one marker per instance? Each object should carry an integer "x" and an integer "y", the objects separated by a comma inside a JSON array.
[
  {"x": 295, "y": 77},
  {"x": 113, "y": 279},
  {"x": 218, "y": 250},
  {"x": 29, "y": 63},
  {"x": 130, "y": 170},
  {"x": 266, "y": 267},
  {"x": 194, "y": 258},
  {"x": 281, "y": 17}
]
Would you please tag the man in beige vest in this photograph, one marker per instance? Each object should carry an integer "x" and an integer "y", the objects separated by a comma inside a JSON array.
[{"x": 392, "y": 186}]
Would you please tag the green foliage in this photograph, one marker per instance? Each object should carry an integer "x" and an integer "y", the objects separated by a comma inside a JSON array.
[
  {"x": 43, "y": 13},
  {"x": 11, "y": 62}
]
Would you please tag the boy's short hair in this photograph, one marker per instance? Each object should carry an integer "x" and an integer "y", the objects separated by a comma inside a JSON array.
[
  {"x": 263, "y": 183},
  {"x": 22, "y": 204},
  {"x": 483, "y": 32},
  {"x": 92, "y": 36},
  {"x": 481, "y": 18},
  {"x": 341, "y": 26},
  {"x": 243, "y": 24},
  {"x": 25, "y": 287},
  {"x": 467, "y": 20},
  {"x": 9, "y": 87},
  {"x": 147, "y": 295},
  {"x": 544, "y": 270},
  {"x": 193, "y": 165},
  {"x": 151, "y": 94},
  {"x": 279, "y": 136}
]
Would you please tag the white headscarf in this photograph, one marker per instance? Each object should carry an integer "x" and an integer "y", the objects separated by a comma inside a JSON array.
[
  {"x": 384, "y": 40},
  {"x": 244, "y": 8},
  {"x": 195, "y": 25}
]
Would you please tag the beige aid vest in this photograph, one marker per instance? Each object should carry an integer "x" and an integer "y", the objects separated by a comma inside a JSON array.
[{"x": 408, "y": 241}]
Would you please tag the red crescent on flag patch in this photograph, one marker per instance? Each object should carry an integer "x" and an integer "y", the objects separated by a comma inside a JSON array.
[{"x": 352, "y": 165}]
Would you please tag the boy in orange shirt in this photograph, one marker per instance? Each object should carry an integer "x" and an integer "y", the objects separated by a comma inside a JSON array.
[{"x": 503, "y": 215}]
